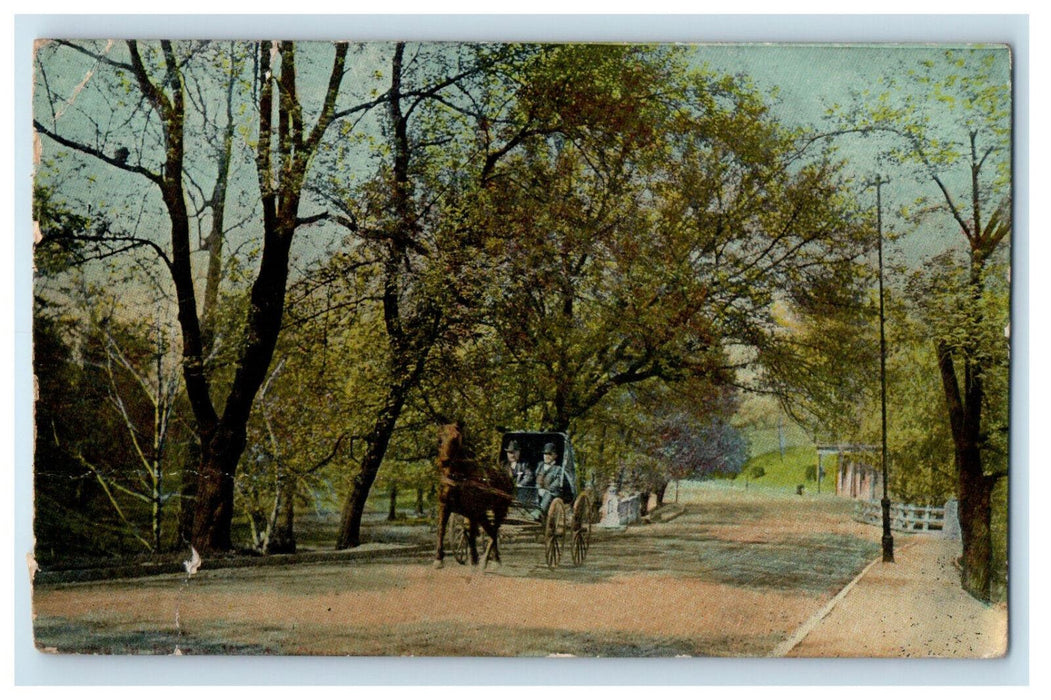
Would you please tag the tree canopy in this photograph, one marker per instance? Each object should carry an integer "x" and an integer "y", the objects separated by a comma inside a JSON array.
[{"x": 357, "y": 241}]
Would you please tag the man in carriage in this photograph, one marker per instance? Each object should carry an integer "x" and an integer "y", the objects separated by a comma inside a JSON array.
[
  {"x": 552, "y": 480},
  {"x": 523, "y": 473}
]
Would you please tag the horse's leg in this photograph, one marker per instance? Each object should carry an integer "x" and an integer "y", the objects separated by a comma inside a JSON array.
[
  {"x": 472, "y": 540},
  {"x": 493, "y": 530},
  {"x": 499, "y": 515},
  {"x": 443, "y": 520}
]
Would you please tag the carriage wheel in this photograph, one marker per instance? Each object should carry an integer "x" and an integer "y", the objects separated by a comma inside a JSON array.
[
  {"x": 581, "y": 529},
  {"x": 555, "y": 532},
  {"x": 458, "y": 533}
]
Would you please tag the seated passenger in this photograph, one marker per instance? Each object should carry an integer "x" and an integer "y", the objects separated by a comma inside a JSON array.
[
  {"x": 522, "y": 472},
  {"x": 552, "y": 480}
]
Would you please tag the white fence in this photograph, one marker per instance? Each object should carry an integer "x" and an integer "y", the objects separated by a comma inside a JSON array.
[{"x": 908, "y": 518}]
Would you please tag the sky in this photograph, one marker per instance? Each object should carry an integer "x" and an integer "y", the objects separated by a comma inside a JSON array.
[
  {"x": 811, "y": 78},
  {"x": 807, "y": 79}
]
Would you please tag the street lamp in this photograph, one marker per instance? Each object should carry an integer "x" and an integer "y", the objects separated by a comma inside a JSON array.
[{"x": 888, "y": 539}]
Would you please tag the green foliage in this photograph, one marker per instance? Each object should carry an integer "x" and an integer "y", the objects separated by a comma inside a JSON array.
[
  {"x": 771, "y": 471},
  {"x": 921, "y": 467},
  {"x": 824, "y": 361},
  {"x": 593, "y": 238},
  {"x": 108, "y": 436},
  {"x": 623, "y": 261},
  {"x": 59, "y": 246},
  {"x": 108, "y": 440},
  {"x": 953, "y": 135}
]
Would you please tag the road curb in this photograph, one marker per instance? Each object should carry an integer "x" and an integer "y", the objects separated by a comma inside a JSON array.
[{"x": 785, "y": 647}]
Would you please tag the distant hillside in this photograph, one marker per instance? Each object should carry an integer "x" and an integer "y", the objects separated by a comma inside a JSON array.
[
  {"x": 764, "y": 440},
  {"x": 798, "y": 467}
]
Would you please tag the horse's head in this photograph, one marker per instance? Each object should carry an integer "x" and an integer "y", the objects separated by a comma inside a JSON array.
[{"x": 450, "y": 442}]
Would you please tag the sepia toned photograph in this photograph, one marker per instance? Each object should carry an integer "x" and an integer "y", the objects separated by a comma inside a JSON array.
[{"x": 491, "y": 349}]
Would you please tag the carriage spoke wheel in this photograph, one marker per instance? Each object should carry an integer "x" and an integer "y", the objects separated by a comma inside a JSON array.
[
  {"x": 555, "y": 532},
  {"x": 581, "y": 529},
  {"x": 458, "y": 533}
]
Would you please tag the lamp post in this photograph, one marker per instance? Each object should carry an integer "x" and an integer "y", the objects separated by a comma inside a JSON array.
[{"x": 888, "y": 539}]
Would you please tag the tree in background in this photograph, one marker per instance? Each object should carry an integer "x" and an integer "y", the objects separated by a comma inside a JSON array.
[
  {"x": 689, "y": 434},
  {"x": 665, "y": 245},
  {"x": 957, "y": 139},
  {"x": 296, "y": 433},
  {"x": 412, "y": 215},
  {"x": 145, "y": 85},
  {"x": 136, "y": 364},
  {"x": 113, "y": 359},
  {"x": 823, "y": 366}
]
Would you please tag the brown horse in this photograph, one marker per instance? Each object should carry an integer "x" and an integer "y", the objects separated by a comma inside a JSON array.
[{"x": 473, "y": 490}]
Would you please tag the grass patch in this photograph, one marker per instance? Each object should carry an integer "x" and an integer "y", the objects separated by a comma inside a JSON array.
[
  {"x": 797, "y": 466},
  {"x": 763, "y": 440}
]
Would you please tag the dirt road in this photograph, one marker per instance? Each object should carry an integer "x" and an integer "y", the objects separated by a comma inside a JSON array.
[{"x": 737, "y": 574}]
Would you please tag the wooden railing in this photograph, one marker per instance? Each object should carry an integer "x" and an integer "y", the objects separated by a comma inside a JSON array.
[{"x": 903, "y": 517}]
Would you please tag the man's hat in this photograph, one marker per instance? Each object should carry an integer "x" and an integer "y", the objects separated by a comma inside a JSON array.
[
  {"x": 549, "y": 449},
  {"x": 512, "y": 446}
]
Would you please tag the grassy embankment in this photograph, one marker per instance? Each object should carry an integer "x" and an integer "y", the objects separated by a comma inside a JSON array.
[{"x": 797, "y": 466}]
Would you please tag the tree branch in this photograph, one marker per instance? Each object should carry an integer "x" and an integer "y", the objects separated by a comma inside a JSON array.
[
  {"x": 328, "y": 110},
  {"x": 97, "y": 153},
  {"x": 101, "y": 58},
  {"x": 313, "y": 219}
]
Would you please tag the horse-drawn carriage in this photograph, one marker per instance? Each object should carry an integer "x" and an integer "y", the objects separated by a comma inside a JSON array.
[{"x": 554, "y": 508}]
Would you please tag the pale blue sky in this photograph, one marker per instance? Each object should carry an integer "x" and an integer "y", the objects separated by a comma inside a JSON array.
[
  {"x": 811, "y": 78},
  {"x": 808, "y": 79}
]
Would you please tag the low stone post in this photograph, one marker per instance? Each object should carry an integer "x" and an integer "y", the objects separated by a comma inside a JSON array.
[
  {"x": 951, "y": 524},
  {"x": 611, "y": 511}
]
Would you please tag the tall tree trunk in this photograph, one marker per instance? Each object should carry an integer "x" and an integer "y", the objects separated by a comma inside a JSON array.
[
  {"x": 214, "y": 509},
  {"x": 280, "y": 185},
  {"x": 221, "y": 451},
  {"x": 419, "y": 502},
  {"x": 974, "y": 488},
  {"x": 214, "y": 242},
  {"x": 188, "y": 491},
  {"x": 392, "y": 512},
  {"x": 660, "y": 493},
  {"x": 410, "y": 337},
  {"x": 283, "y": 539},
  {"x": 377, "y": 441},
  {"x": 975, "y": 513}
]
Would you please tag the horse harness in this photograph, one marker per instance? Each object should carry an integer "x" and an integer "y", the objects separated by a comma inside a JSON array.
[{"x": 460, "y": 480}]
